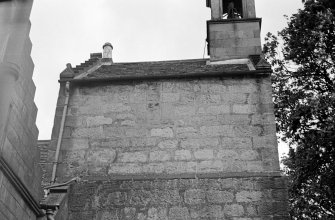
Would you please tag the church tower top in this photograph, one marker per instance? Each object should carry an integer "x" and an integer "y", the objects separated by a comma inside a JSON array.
[{"x": 233, "y": 31}]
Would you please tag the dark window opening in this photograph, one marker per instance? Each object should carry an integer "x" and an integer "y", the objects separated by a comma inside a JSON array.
[{"x": 232, "y": 9}]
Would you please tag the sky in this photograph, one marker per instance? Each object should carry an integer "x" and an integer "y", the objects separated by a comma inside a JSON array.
[{"x": 67, "y": 31}]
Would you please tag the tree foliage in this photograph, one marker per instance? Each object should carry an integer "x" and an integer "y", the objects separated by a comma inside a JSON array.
[{"x": 304, "y": 96}]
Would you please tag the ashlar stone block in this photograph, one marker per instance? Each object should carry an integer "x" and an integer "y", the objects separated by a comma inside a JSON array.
[
  {"x": 159, "y": 156},
  {"x": 195, "y": 196},
  {"x": 206, "y": 154},
  {"x": 183, "y": 155},
  {"x": 218, "y": 197},
  {"x": 249, "y": 196},
  {"x": 179, "y": 213},
  {"x": 168, "y": 144},
  {"x": 198, "y": 143},
  {"x": 212, "y": 131},
  {"x": 98, "y": 121},
  {"x": 162, "y": 132},
  {"x": 132, "y": 157},
  {"x": 235, "y": 210}
]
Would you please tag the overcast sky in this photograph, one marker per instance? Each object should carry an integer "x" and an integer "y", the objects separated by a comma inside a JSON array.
[{"x": 67, "y": 31}]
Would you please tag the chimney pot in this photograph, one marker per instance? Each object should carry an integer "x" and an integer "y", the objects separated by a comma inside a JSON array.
[{"x": 107, "y": 50}]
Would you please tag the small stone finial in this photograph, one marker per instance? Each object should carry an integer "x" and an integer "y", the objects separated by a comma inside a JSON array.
[
  {"x": 107, "y": 50},
  {"x": 68, "y": 72}
]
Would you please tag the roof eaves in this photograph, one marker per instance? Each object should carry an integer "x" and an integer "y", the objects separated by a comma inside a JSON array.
[{"x": 252, "y": 73}]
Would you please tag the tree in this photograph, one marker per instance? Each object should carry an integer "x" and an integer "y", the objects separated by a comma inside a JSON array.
[{"x": 304, "y": 97}]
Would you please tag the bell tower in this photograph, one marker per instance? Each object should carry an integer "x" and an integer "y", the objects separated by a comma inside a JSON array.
[{"x": 234, "y": 30}]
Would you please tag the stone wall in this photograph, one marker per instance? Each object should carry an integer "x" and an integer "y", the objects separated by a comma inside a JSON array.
[
  {"x": 220, "y": 125},
  {"x": 12, "y": 205},
  {"x": 180, "y": 199},
  {"x": 19, "y": 148},
  {"x": 20, "y": 142},
  {"x": 20, "y": 189}
]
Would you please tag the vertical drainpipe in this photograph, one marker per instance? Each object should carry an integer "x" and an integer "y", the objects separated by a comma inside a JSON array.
[{"x": 61, "y": 131}]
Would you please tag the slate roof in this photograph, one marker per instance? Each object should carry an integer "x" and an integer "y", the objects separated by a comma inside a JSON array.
[
  {"x": 96, "y": 69},
  {"x": 163, "y": 68}
]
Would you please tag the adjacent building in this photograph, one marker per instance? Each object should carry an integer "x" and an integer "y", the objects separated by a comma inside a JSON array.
[{"x": 20, "y": 176}]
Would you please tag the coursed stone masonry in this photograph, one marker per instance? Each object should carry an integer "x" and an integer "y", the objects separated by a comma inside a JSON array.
[
  {"x": 170, "y": 140},
  {"x": 226, "y": 125}
]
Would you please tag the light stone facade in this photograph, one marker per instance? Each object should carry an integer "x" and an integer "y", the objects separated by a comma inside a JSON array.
[{"x": 109, "y": 131}]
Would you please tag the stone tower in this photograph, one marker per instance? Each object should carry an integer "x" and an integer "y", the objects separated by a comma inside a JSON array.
[
  {"x": 183, "y": 139},
  {"x": 20, "y": 176}
]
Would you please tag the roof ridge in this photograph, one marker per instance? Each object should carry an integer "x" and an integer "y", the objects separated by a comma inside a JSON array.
[{"x": 164, "y": 61}]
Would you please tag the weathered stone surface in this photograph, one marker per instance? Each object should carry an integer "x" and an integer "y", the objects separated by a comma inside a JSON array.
[
  {"x": 215, "y": 110},
  {"x": 132, "y": 157},
  {"x": 213, "y": 131},
  {"x": 160, "y": 156},
  {"x": 194, "y": 196},
  {"x": 130, "y": 132},
  {"x": 75, "y": 144},
  {"x": 184, "y": 111},
  {"x": 218, "y": 197},
  {"x": 199, "y": 143},
  {"x": 186, "y": 132},
  {"x": 179, "y": 199},
  {"x": 248, "y": 196},
  {"x": 234, "y": 210},
  {"x": 232, "y": 119},
  {"x": 130, "y": 168},
  {"x": 228, "y": 154},
  {"x": 168, "y": 144},
  {"x": 211, "y": 212},
  {"x": 204, "y": 154},
  {"x": 263, "y": 119},
  {"x": 210, "y": 98},
  {"x": 129, "y": 123},
  {"x": 98, "y": 121},
  {"x": 244, "y": 109},
  {"x": 170, "y": 97},
  {"x": 249, "y": 155},
  {"x": 179, "y": 213},
  {"x": 173, "y": 128},
  {"x": 183, "y": 155},
  {"x": 268, "y": 141},
  {"x": 162, "y": 132},
  {"x": 243, "y": 143},
  {"x": 95, "y": 132}
]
